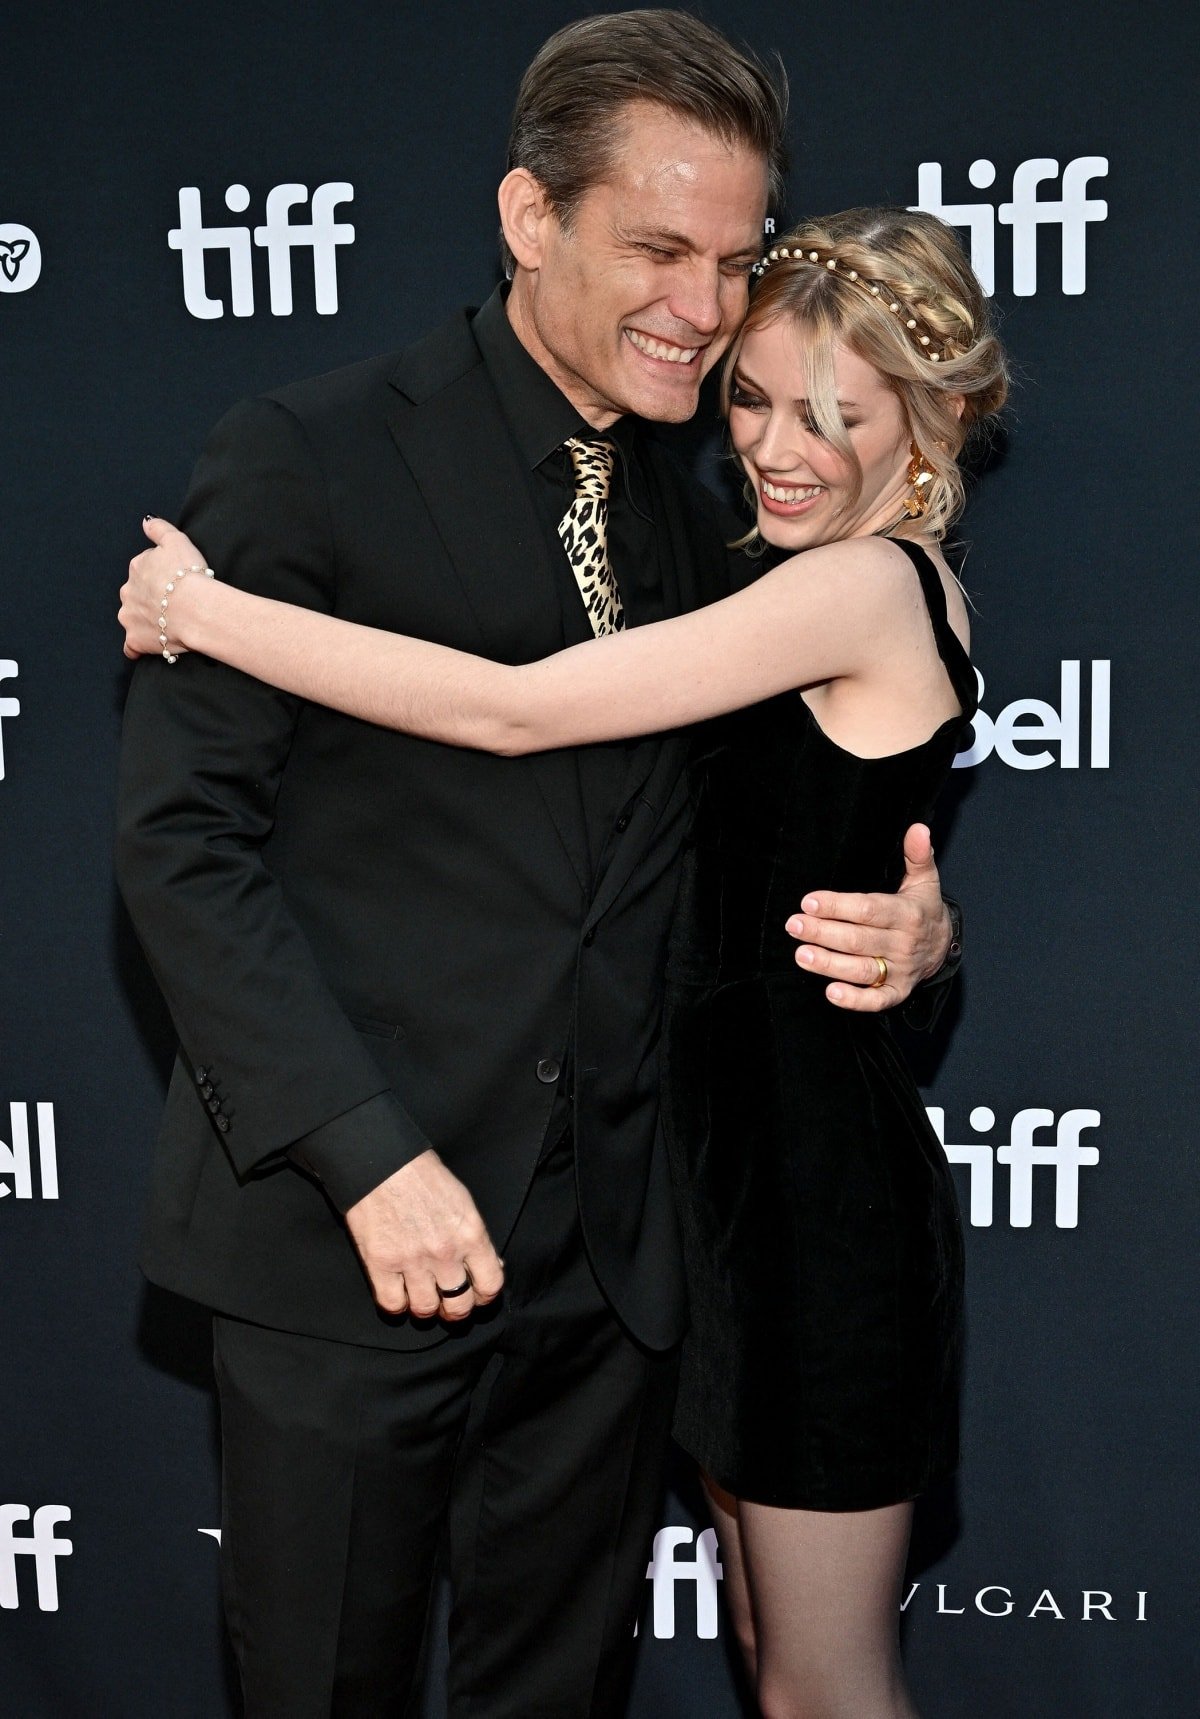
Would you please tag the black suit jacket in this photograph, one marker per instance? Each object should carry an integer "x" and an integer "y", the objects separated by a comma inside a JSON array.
[{"x": 335, "y": 912}]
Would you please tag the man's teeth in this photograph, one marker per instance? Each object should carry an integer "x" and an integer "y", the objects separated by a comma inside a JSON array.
[
  {"x": 790, "y": 495},
  {"x": 658, "y": 349}
]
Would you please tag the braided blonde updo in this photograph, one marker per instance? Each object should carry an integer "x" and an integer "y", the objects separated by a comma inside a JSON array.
[{"x": 895, "y": 286}]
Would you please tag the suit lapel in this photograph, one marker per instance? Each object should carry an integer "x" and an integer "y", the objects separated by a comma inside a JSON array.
[{"x": 449, "y": 429}]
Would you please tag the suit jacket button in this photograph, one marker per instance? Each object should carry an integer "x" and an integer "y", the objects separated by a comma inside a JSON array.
[
  {"x": 223, "y": 1124},
  {"x": 214, "y": 1104},
  {"x": 548, "y": 1071},
  {"x": 207, "y": 1089},
  {"x": 622, "y": 823},
  {"x": 589, "y": 937},
  {"x": 201, "y": 1076}
]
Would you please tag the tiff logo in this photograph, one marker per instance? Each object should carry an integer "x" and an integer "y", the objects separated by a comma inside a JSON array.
[
  {"x": 1025, "y": 213},
  {"x": 8, "y": 706},
  {"x": 278, "y": 236},
  {"x": 41, "y": 1544},
  {"x": 1023, "y": 1154},
  {"x": 15, "y": 1159},
  {"x": 703, "y": 1570},
  {"x": 1031, "y": 721}
]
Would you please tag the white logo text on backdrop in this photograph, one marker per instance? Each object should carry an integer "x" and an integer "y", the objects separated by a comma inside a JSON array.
[
  {"x": 1023, "y": 1154},
  {"x": 8, "y": 706},
  {"x": 20, "y": 257},
  {"x": 278, "y": 236},
  {"x": 15, "y": 1159},
  {"x": 1024, "y": 213},
  {"x": 1094, "y": 1603},
  {"x": 703, "y": 1569},
  {"x": 1031, "y": 721},
  {"x": 41, "y": 1544}
]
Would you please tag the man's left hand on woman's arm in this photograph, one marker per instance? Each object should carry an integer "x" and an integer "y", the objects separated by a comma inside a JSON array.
[{"x": 841, "y": 934}]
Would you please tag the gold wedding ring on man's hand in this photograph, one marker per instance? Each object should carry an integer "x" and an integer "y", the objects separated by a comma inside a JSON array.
[{"x": 882, "y": 979}]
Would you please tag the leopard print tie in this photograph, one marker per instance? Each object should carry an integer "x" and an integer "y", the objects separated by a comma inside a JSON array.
[{"x": 584, "y": 532}]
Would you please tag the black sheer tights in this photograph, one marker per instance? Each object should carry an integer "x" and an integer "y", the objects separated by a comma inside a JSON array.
[{"x": 815, "y": 1600}]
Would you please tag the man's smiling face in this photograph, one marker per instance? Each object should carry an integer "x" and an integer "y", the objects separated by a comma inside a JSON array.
[{"x": 630, "y": 305}]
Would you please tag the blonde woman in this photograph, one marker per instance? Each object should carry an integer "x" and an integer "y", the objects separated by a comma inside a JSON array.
[{"x": 821, "y": 1233}]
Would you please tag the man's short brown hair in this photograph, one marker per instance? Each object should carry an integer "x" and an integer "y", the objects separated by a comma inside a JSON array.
[{"x": 564, "y": 123}]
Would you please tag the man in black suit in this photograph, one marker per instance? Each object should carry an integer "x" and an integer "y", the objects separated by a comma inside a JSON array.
[{"x": 417, "y": 990}]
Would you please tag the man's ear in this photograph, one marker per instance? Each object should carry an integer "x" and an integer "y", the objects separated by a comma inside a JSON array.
[{"x": 524, "y": 212}]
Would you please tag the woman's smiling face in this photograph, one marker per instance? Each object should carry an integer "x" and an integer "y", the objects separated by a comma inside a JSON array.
[{"x": 804, "y": 487}]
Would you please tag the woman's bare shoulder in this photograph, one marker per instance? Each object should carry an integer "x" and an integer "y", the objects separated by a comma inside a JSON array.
[{"x": 871, "y": 570}]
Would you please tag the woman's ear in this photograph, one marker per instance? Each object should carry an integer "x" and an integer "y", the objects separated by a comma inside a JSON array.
[{"x": 524, "y": 212}]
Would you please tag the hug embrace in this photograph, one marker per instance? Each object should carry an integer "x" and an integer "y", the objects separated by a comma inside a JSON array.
[{"x": 529, "y": 853}]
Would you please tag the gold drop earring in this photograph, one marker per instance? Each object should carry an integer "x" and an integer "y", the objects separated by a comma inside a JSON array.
[{"x": 920, "y": 477}]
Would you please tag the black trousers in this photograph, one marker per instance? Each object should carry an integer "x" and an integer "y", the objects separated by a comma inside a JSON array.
[{"x": 535, "y": 1432}]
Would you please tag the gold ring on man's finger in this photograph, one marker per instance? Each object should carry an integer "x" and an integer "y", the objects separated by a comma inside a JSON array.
[{"x": 883, "y": 971}]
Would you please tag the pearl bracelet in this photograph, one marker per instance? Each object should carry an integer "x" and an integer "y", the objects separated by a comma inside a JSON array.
[{"x": 162, "y": 607}]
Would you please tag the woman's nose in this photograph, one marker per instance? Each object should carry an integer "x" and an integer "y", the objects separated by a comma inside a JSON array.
[{"x": 778, "y": 447}]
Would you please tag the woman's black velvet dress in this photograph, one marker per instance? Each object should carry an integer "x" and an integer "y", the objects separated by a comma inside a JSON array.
[{"x": 821, "y": 1229}]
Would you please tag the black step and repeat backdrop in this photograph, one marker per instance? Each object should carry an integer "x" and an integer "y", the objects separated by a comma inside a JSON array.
[{"x": 201, "y": 201}]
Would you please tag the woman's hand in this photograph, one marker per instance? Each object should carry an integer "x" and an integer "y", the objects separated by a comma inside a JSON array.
[{"x": 149, "y": 575}]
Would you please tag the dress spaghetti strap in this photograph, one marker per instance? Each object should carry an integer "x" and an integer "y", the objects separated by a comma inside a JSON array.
[{"x": 949, "y": 645}]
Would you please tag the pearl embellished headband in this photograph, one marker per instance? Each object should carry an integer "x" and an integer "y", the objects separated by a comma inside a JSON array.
[{"x": 922, "y": 339}]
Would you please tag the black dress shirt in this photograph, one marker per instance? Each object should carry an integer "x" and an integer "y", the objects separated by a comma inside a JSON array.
[{"x": 541, "y": 419}]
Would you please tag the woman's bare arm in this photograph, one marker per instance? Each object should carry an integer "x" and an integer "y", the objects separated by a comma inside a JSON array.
[{"x": 823, "y": 615}]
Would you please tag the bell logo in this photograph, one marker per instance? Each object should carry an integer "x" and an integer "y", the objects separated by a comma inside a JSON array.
[
  {"x": 1022, "y": 1154},
  {"x": 15, "y": 1160},
  {"x": 1025, "y": 213},
  {"x": 1029, "y": 722},
  {"x": 704, "y": 1570},
  {"x": 278, "y": 236},
  {"x": 41, "y": 1544}
]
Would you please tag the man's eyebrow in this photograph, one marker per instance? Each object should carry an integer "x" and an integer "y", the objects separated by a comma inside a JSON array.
[
  {"x": 658, "y": 236},
  {"x": 679, "y": 241}
]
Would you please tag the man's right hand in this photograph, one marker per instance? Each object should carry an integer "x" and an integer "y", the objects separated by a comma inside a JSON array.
[{"x": 419, "y": 1233}]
